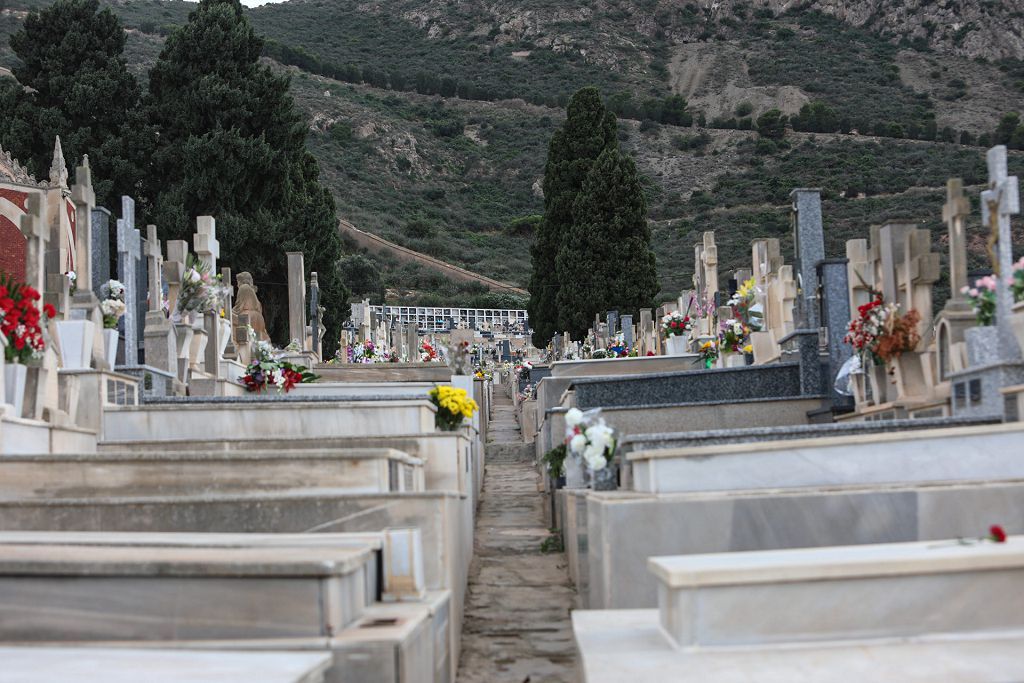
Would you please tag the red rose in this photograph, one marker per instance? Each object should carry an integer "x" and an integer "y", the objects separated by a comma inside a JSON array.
[
  {"x": 49, "y": 310},
  {"x": 996, "y": 533},
  {"x": 30, "y": 293},
  {"x": 19, "y": 343}
]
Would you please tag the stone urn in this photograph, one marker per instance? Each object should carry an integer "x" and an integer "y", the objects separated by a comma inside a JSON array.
[{"x": 676, "y": 345}]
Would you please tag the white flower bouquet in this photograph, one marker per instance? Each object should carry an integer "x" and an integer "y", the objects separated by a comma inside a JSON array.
[{"x": 590, "y": 438}]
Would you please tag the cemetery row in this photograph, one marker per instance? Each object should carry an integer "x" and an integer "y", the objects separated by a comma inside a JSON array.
[
  {"x": 218, "y": 511},
  {"x": 808, "y": 476}
]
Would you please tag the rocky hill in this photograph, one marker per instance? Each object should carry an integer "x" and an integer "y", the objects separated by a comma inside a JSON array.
[{"x": 431, "y": 118}]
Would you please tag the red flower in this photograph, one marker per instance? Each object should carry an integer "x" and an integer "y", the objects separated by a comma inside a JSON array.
[
  {"x": 49, "y": 310},
  {"x": 29, "y": 293},
  {"x": 996, "y": 533}
]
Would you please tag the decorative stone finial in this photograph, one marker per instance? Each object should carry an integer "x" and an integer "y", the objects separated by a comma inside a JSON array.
[
  {"x": 59, "y": 167},
  {"x": 11, "y": 170}
]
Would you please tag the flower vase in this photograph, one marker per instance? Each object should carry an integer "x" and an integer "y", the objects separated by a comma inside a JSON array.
[
  {"x": 110, "y": 341},
  {"x": 574, "y": 472},
  {"x": 879, "y": 384},
  {"x": 197, "y": 349},
  {"x": 76, "y": 342},
  {"x": 676, "y": 345},
  {"x": 1017, "y": 323},
  {"x": 15, "y": 376},
  {"x": 605, "y": 479},
  {"x": 735, "y": 360},
  {"x": 225, "y": 336}
]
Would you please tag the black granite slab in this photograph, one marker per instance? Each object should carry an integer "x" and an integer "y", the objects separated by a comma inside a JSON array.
[{"x": 781, "y": 380}]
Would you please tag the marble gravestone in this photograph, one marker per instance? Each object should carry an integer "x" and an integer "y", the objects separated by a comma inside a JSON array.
[
  {"x": 129, "y": 253},
  {"x": 296, "y": 299},
  {"x": 100, "y": 248},
  {"x": 809, "y": 246}
]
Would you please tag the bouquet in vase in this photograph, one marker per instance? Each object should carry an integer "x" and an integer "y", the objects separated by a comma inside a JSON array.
[
  {"x": 268, "y": 370},
  {"x": 201, "y": 291},
  {"x": 588, "y": 437},
  {"x": 21, "y": 320},
  {"x": 113, "y": 306}
]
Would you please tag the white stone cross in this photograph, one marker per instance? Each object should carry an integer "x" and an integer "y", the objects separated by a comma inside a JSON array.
[
  {"x": 129, "y": 252},
  {"x": 36, "y": 236},
  {"x": 155, "y": 256},
  {"x": 1000, "y": 201},
  {"x": 955, "y": 212},
  {"x": 205, "y": 242}
]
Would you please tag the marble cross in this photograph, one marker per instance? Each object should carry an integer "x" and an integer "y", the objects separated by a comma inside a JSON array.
[
  {"x": 205, "y": 243},
  {"x": 129, "y": 247},
  {"x": 955, "y": 212},
  {"x": 314, "y": 311},
  {"x": 155, "y": 257},
  {"x": 36, "y": 236},
  {"x": 1000, "y": 201}
]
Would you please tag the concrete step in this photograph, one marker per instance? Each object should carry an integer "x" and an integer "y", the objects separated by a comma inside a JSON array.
[{"x": 509, "y": 452}]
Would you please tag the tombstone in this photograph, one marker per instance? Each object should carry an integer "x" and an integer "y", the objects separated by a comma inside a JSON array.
[
  {"x": 296, "y": 298},
  {"x": 957, "y": 316},
  {"x": 809, "y": 247},
  {"x": 412, "y": 342},
  {"x": 61, "y": 250},
  {"x": 705, "y": 282},
  {"x": 647, "y": 331},
  {"x": 85, "y": 304},
  {"x": 994, "y": 355},
  {"x": 835, "y": 318},
  {"x": 613, "y": 324},
  {"x": 314, "y": 314},
  {"x": 173, "y": 272},
  {"x": 129, "y": 253},
  {"x": 160, "y": 345},
  {"x": 230, "y": 351},
  {"x": 628, "y": 333},
  {"x": 100, "y": 220},
  {"x": 207, "y": 250}
]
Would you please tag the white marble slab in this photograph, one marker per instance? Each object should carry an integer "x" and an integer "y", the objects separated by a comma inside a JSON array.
[
  {"x": 989, "y": 452},
  {"x": 868, "y": 591},
  {"x": 96, "y": 665},
  {"x": 628, "y": 646}
]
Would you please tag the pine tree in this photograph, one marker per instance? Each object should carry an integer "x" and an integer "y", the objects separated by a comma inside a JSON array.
[
  {"x": 232, "y": 145},
  {"x": 589, "y": 129},
  {"x": 606, "y": 262},
  {"x": 72, "y": 81}
]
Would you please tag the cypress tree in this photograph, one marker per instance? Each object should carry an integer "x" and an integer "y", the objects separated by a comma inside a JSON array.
[
  {"x": 589, "y": 129},
  {"x": 232, "y": 145},
  {"x": 73, "y": 82},
  {"x": 606, "y": 262}
]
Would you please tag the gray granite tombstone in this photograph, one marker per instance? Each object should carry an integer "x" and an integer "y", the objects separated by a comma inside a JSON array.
[
  {"x": 834, "y": 313},
  {"x": 314, "y": 311},
  {"x": 100, "y": 248},
  {"x": 809, "y": 246},
  {"x": 613, "y": 323},
  {"x": 627, "y": 331},
  {"x": 129, "y": 253}
]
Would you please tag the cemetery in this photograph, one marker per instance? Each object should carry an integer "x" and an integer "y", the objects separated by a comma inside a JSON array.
[{"x": 793, "y": 472}]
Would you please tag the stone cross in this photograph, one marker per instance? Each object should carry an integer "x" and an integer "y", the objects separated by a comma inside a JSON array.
[
  {"x": 627, "y": 332},
  {"x": 205, "y": 244},
  {"x": 1000, "y": 201},
  {"x": 128, "y": 255},
  {"x": 174, "y": 271},
  {"x": 809, "y": 247},
  {"x": 230, "y": 351},
  {"x": 314, "y": 312},
  {"x": 36, "y": 237},
  {"x": 646, "y": 331},
  {"x": 155, "y": 257},
  {"x": 84, "y": 199},
  {"x": 955, "y": 213},
  {"x": 412, "y": 343},
  {"x": 296, "y": 298}
]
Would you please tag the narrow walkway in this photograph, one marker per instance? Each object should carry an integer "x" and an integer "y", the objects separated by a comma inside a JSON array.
[{"x": 516, "y": 625}]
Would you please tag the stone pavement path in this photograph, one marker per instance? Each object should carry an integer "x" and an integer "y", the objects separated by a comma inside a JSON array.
[{"x": 516, "y": 626}]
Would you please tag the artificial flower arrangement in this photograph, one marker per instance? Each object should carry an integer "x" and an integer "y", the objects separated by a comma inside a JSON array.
[
  {"x": 366, "y": 352},
  {"x": 745, "y": 307},
  {"x": 676, "y": 324},
  {"x": 268, "y": 370},
  {"x": 72, "y": 281},
  {"x": 428, "y": 354},
  {"x": 453, "y": 405},
  {"x": 528, "y": 392},
  {"x": 460, "y": 359},
  {"x": 881, "y": 333},
  {"x": 588, "y": 437},
  {"x": 113, "y": 306},
  {"x": 20, "y": 319},
  {"x": 983, "y": 294},
  {"x": 734, "y": 336},
  {"x": 201, "y": 291},
  {"x": 708, "y": 353}
]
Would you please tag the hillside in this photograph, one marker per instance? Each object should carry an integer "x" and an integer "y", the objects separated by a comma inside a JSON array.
[{"x": 431, "y": 119}]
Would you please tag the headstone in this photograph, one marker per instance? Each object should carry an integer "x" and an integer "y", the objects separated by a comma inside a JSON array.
[
  {"x": 174, "y": 271},
  {"x": 207, "y": 250},
  {"x": 957, "y": 316},
  {"x": 314, "y": 313},
  {"x": 100, "y": 248},
  {"x": 628, "y": 336},
  {"x": 129, "y": 253},
  {"x": 647, "y": 332},
  {"x": 835, "y": 318},
  {"x": 36, "y": 237},
  {"x": 412, "y": 342},
  {"x": 613, "y": 324},
  {"x": 84, "y": 199},
  {"x": 160, "y": 345},
  {"x": 296, "y": 298},
  {"x": 809, "y": 247},
  {"x": 1000, "y": 201},
  {"x": 230, "y": 352}
]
